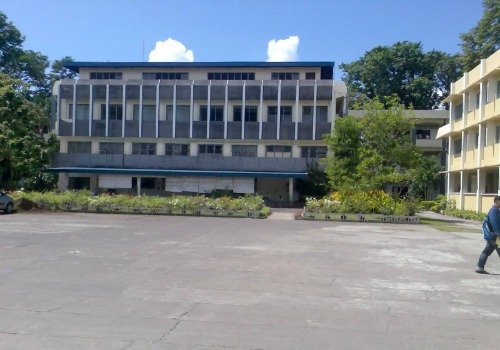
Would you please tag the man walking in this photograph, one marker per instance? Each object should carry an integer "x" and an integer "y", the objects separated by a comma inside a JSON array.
[{"x": 491, "y": 230}]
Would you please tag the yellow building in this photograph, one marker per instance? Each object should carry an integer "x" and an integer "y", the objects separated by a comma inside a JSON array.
[{"x": 473, "y": 134}]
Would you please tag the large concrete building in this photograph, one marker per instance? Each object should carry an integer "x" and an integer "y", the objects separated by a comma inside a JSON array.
[
  {"x": 473, "y": 135},
  {"x": 194, "y": 127}
]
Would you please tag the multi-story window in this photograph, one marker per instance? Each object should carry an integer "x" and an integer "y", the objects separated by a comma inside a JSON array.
[
  {"x": 216, "y": 113},
  {"x": 115, "y": 111},
  {"x": 457, "y": 147},
  {"x": 310, "y": 76},
  {"x": 181, "y": 113},
  {"x": 321, "y": 114},
  {"x": 230, "y": 76},
  {"x": 148, "y": 112},
  {"x": 106, "y": 75},
  {"x": 111, "y": 147},
  {"x": 81, "y": 111},
  {"x": 209, "y": 149},
  {"x": 250, "y": 113},
  {"x": 314, "y": 151},
  {"x": 165, "y": 76},
  {"x": 79, "y": 147},
  {"x": 244, "y": 150},
  {"x": 497, "y": 134},
  {"x": 284, "y": 76},
  {"x": 279, "y": 151},
  {"x": 176, "y": 149},
  {"x": 458, "y": 111},
  {"x": 148, "y": 149},
  {"x": 285, "y": 113}
]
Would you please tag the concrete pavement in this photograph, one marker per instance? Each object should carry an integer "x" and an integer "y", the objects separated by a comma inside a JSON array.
[{"x": 82, "y": 281}]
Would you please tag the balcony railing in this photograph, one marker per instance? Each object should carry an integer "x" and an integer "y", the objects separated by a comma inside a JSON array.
[{"x": 204, "y": 162}]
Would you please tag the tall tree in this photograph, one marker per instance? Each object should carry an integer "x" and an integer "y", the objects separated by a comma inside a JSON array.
[
  {"x": 419, "y": 80},
  {"x": 58, "y": 71},
  {"x": 373, "y": 151},
  {"x": 484, "y": 38}
]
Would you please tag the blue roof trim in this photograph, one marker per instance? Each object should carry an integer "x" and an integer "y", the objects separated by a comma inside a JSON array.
[
  {"x": 75, "y": 66},
  {"x": 156, "y": 172}
]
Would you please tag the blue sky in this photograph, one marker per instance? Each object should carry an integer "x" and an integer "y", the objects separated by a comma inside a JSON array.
[{"x": 236, "y": 30}]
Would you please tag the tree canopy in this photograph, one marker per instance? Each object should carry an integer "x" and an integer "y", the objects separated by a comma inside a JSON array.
[
  {"x": 419, "y": 80},
  {"x": 484, "y": 38},
  {"x": 372, "y": 151}
]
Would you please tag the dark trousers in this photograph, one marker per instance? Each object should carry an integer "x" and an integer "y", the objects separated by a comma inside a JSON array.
[{"x": 488, "y": 249}]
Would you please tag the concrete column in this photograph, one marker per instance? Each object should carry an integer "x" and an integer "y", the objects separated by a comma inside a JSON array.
[
  {"x": 157, "y": 108},
  {"x": 107, "y": 111},
  {"x": 290, "y": 189},
  {"x": 261, "y": 108},
  {"x": 461, "y": 198},
  {"x": 191, "y": 112},
  {"x": 94, "y": 147},
  {"x": 160, "y": 148},
  {"x": 208, "y": 109},
  {"x": 297, "y": 110},
  {"x": 478, "y": 190},
  {"x": 243, "y": 112},
  {"x": 140, "y": 110},
  {"x": 226, "y": 107},
  {"x": 94, "y": 183},
  {"x": 174, "y": 110},
  {"x": 73, "y": 112},
  {"x": 124, "y": 108},
  {"x": 278, "y": 120},
  {"x": 314, "y": 110},
  {"x": 138, "y": 185},
  {"x": 58, "y": 108},
  {"x": 127, "y": 148},
  {"x": 62, "y": 184}
]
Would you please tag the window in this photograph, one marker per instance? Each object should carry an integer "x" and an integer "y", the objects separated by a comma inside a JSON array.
[
  {"x": 285, "y": 113},
  {"x": 314, "y": 152},
  {"x": 144, "y": 148},
  {"x": 111, "y": 147},
  {"x": 498, "y": 89},
  {"x": 230, "y": 76},
  {"x": 82, "y": 111},
  {"x": 175, "y": 149},
  {"x": 459, "y": 110},
  {"x": 279, "y": 151},
  {"x": 478, "y": 99},
  {"x": 209, "y": 149},
  {"x": 216, "y": 113},
  {"x": 181, "y": 113},
  {"x": 244, "y": 151},
  {"x": 106, "y": 75},
  {"x": 165, "y": 76},
  {"x": 284, "y": 76},
  {"x": 149, "y": 183},
  {"x": 457, "y": 147},
  {"x": 423, "y": 134},
  {"x": 79, "y": 147},
  {"x": 310, "y": 76},
  {"x": 497, "y": 134},
  {"x": 476, "y": 143},
  {"x": 78, "y": 183},
  {"x": 115, "y": 112},
  {"x": 250, "y": 113},
  {"x": 148, "y": 112},
  {"x": 321, "y": 114}
]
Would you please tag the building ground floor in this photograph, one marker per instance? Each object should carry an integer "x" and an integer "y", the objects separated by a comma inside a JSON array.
[
  {"x": 474, "y": 189},
  {"x": 274, "y": 187}
]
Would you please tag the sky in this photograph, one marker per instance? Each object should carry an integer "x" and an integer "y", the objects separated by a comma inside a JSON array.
[{"x": 236, "y": 30}]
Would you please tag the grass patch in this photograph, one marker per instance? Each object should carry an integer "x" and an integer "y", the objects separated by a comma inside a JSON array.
[{"x": 448, "y": 226}]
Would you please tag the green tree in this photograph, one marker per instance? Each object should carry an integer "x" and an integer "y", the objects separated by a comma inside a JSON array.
[
  {"x": 24, "y": 152},
  {"x": 420, "y": 80},
  {"x": 58, "y": 71},
  {"x": 484, "y": 38},
  {"x": 373, "y": 151},
  {"x": 427, "y": 174}
]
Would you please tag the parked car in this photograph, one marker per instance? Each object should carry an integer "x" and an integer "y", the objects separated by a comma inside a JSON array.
[{"x": 6, "y": 203}]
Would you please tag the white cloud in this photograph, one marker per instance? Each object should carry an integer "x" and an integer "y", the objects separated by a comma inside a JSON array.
[
  {"x": 170, "y": 50},
  {"x": 283, "y": 50}
]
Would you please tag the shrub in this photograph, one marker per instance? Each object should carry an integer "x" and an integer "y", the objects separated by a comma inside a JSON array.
[{"x": 465, "y": 214}]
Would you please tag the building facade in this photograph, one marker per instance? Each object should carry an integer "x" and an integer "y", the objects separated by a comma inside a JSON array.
[
  {"x": 154, "y": 128},
  {"x": 473, "y": 134}
]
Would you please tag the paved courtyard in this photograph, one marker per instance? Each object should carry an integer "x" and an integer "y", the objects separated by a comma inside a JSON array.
[{"x": 81, "y": 281}]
